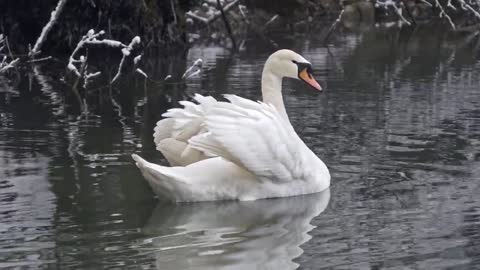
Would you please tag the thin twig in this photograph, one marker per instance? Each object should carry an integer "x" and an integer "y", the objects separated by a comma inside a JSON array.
[
  {"x": 464, "y": 4},
  {"x": 90, "y": 39},
  {"x": 426, "y": 2},
  {"x": 271, "y": 20},
  {"x": 409, "y": 13},
  {"x": 193, "y": 70},
  {"x": 334, "y": 25},
  {"x": 10, "y": 65},
  {"x": 390, "y": 3},
  {"x": 8, "y": 48},
  {"x": 138, "y": 70},
  {"x": 242, "y": 13},
  {"x": 39, "y": 59},
  {"x": 444, "y": 14},
  {"x": 227, "y": 24},
  {"x": 216, "y": 15}
]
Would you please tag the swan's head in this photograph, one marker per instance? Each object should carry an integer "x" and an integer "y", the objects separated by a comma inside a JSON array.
[{"x": 287, "y": 63}]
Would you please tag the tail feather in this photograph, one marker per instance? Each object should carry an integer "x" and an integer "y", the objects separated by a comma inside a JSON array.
[{"x": 163, "y": 180}]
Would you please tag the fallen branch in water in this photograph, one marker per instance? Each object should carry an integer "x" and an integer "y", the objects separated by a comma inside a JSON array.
[
  {"x": 126, "y": 52},
  {"x": 90, "y": 39},
  {"x": 43, "y": 35}
]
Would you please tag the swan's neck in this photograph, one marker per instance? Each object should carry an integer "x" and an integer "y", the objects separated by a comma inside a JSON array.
[{"x": 272, "y": 91}]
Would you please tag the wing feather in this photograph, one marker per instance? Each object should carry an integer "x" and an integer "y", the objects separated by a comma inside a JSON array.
[
  {"x": 179, "y": 125},
  {"x": 255, "y": 136}
]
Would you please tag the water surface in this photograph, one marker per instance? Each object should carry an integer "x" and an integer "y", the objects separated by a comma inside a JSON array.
[{"x": 398, "y": 125}]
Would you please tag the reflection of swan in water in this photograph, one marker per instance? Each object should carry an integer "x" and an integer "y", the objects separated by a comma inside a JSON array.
[{"x": 264, "y": 234}]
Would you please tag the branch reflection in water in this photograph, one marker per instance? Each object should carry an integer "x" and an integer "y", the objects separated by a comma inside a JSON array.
[{"x": 263, "y": 234}]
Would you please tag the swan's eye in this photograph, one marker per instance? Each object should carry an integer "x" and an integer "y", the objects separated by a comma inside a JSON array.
[{"x": 295, "y": 62}]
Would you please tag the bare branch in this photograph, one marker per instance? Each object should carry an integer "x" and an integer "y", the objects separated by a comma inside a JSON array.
[
  {"x": 465, "y": 5},
  {"x": 4, "y": 66},
  {"x": 141, "y": 72},
  {"x": 444, "y": 14},
  {"x": 398, "y": 10},
  {"x": 43, "y": 35},
  {"x": 126, "y": 52},
  {"x": 39, "y": 60},
  {"x": 334, "y": 25},
  {"x": 215, "y": 15},
  {"x": 90, "y": 39},
  {"x": 426, "y": 2},
  {"x": 193, "y": 70}
]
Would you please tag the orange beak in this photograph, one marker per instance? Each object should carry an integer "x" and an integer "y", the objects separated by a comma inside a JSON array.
[{"x": 308, "y": 78}]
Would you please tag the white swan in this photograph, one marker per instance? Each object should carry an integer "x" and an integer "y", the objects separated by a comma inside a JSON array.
[{"x": 237, "y": 150}]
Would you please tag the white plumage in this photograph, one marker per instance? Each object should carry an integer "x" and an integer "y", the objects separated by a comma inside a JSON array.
[{"x": 236, "y": 150}]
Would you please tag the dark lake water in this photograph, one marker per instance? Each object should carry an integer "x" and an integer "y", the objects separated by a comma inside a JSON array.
[{"x": 398, "y": 125}]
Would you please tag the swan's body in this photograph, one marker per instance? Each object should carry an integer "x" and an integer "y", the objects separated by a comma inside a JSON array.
[{"x": 237, "y": 150}]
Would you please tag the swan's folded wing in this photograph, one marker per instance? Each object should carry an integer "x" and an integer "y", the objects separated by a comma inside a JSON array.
[
  {"x": 172, "y": 133},
  {"x": 183, "y": 123},
  {"x": 255, "y": 136}
]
